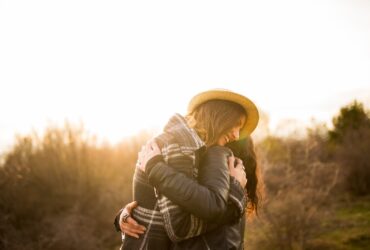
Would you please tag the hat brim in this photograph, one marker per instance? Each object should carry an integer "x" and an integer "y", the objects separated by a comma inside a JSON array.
[{"x": 249, "y": 107}]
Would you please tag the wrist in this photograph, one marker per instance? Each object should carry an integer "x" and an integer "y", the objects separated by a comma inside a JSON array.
[{"x": 237, "y": 194}]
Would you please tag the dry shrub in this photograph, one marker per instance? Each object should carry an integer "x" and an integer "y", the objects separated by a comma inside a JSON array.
[
  {"x": 298, "y": 188},
  {"x": 62, "y": 190}
]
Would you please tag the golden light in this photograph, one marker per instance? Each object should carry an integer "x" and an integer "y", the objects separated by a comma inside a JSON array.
[{"x": 121, "y": 67}]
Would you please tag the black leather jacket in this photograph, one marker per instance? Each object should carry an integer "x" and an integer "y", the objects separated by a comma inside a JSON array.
[{"x": 209, "y": 199}]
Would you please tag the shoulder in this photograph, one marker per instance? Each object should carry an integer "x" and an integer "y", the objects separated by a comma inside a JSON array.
[
  {"x": 165, "y": 139},
  {"x": 171, "y": 148},
  {"x": 218, "y": 151},
  {"x": 216, "y": 155}
]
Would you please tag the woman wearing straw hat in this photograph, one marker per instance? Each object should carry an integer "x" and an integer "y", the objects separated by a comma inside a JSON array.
[{"x": 170, "y": 164}]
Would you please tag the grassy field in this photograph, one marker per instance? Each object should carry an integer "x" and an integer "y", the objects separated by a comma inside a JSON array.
[
  {"x": 343, "y": 226},
  {"x": 348, "y": 228}
]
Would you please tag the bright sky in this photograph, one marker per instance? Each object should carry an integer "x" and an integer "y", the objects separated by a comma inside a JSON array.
[{"x": 123, "y": 66}]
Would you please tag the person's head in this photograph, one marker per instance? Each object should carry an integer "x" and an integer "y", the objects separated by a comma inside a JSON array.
[
  {"x": 217, "y": 121},
  {"x": 244, "y": 149},
  {"x": 221, "y": 116}
]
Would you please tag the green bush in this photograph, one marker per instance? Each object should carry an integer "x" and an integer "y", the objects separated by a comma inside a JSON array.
[{"x": 350, "y": 144}]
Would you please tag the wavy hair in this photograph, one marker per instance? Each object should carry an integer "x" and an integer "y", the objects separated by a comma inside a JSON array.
[
  {"x": 215, "y": 118},
  {"x": 244, "y": 149}
]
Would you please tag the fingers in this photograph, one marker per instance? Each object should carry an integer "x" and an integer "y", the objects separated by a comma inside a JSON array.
[
  {"x": 231, "y": 161},
  {"x": 149, "y": 150},
  {"x": 132, "y": 230},
  {"x": 152, "y": 148},
  {"x": 238, "y": 160},
  {"x": 155, "y": 147},
  {"x": 147, "y": 147},
  {"x": 131, "y": 206},
  {"x": 131, "y": 227},
  {"x": 131, "y": 234},
  {"x": 140, "y": 158},
  {"x": 238, "y": 171},
  {"x": 239, "y": 163},
  {"x": 150, "y": 144},
  {"x": 240, "y": 167},
  {"x": 135, "y": 226},
  {"x": 143, "y": 157},
  {"x": 127, "y": 211}
]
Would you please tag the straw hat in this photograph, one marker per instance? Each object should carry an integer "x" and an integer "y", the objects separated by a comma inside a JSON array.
[{"x": 227, "y": 95}]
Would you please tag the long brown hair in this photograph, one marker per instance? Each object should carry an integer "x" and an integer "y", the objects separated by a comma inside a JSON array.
[
  {"x": 244, "y": 149},
  {"x": 215, "y": 118}
]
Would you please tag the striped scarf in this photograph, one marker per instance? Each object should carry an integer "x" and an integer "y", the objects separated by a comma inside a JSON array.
[{"x": 164, "y": 220}]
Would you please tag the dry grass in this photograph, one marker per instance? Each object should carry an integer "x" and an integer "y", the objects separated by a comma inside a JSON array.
[{"x": 62, "y": 190}]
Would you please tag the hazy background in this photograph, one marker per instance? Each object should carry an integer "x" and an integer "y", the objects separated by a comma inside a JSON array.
[
  {"x": 124, "y": 66},
  {"x": 83, "y": 84}
]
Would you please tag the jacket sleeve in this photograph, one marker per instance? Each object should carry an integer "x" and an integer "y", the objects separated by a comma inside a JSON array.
[
  {"x": 116, "y": 220},
  {"x": 186, "y": 204}
]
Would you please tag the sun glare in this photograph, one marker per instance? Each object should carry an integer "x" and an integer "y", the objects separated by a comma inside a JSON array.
[{"x": 122, "y": 67}]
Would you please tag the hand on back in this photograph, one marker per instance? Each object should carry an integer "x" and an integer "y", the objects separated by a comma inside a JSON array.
[
  {"x": 150, "y": 150},
  {"x": 127, "y": 224},
  {"x": 236, "y": 169}
]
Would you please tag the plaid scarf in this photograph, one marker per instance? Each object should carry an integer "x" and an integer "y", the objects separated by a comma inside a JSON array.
[{"x": 165, "y": 221}]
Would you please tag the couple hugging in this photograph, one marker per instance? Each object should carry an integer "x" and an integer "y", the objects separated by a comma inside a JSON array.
[{"x": 194, "y": 182}]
